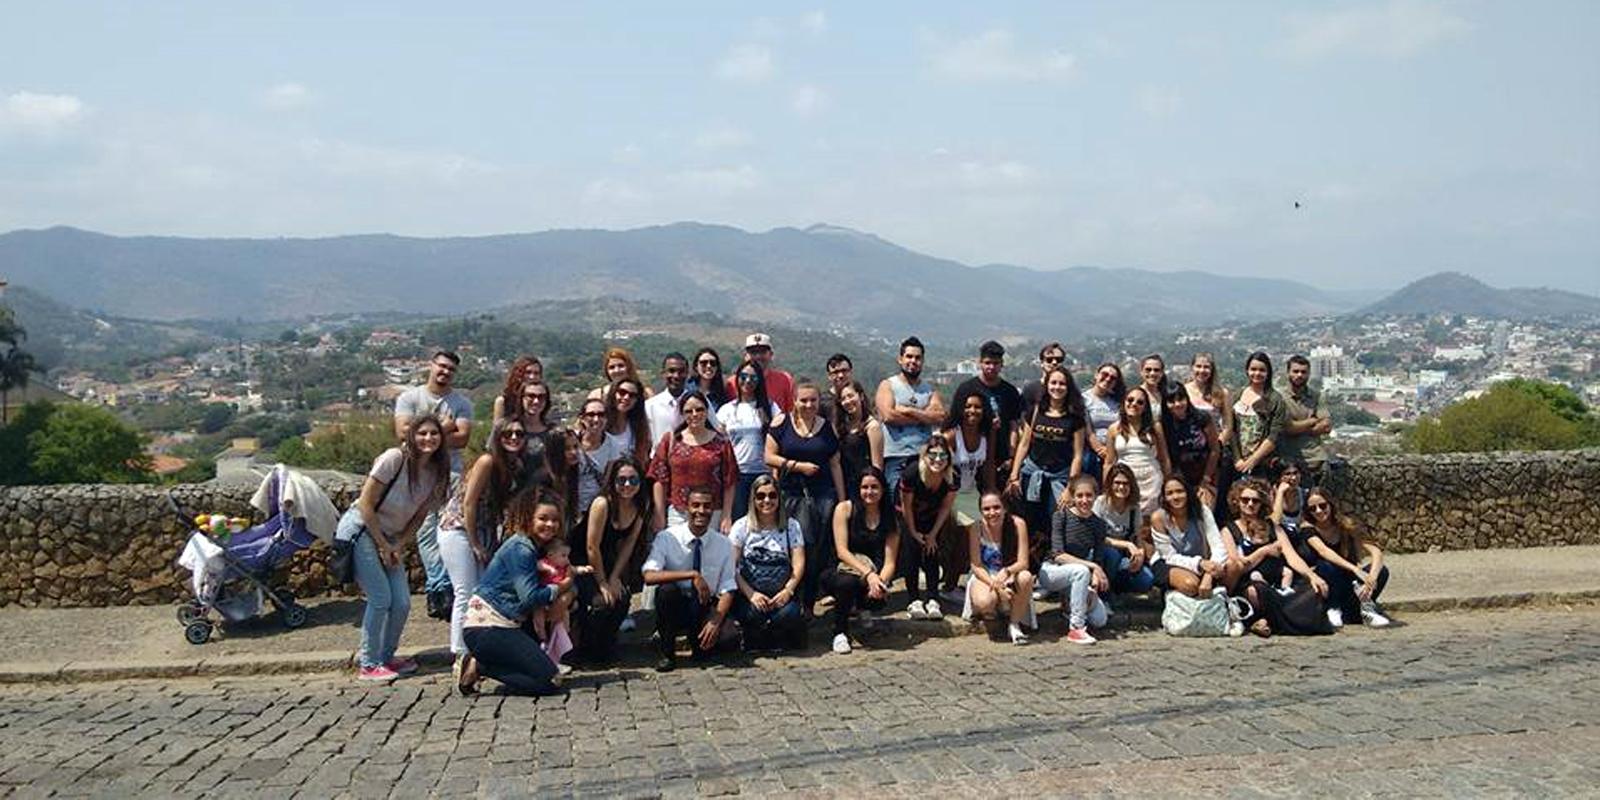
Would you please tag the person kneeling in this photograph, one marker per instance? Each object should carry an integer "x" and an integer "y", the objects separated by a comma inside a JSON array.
[{"x": 692, "y": 570}]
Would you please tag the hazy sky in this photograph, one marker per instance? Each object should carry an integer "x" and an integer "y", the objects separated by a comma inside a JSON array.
[{"x": 1419, "y": 136}]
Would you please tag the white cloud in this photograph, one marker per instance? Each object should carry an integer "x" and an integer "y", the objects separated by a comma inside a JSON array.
[
  {"x": 1160, "y": 102},
  {"x": 352, "y": 159},
  {"x": 721, "y": 137},
  {"x": 286, "y": 96},
  {"x": 994, "y": 56},
  {"x": 629, "y": 153},
  {"x": 720, "y": 181},
  {"x": 746, "y": 63},
  {"x": 41, "y": 113},
  {"x": 815, "y": 22},
  {"x": 809, "y": 100},
  {"x": 611, "y": 192},
  {"x": 1396, "y": 29}
]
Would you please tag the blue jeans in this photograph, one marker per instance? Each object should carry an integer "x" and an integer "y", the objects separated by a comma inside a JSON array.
[
  {"x": 783, "y": 628},
  {"x": 388, "y": 603},
  {"x": 428, "y": 548},
  {"x": 1110, "y": 559},
  {"x": 891, "y": 473}
]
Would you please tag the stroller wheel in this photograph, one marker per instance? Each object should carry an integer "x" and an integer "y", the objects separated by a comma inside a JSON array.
[
  {"x": 283, "y": 597},
  {"x": 198, "y": 632},
  {"x": 292, "y": 615},
  {"x": 189, "y": 613}
]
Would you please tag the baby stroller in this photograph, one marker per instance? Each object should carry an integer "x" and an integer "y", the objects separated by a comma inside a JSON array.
[{"x": 232, "y": 573}]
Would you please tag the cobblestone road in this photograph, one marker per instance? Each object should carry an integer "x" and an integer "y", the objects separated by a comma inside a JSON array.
[{"x": 1480, "y": 704}]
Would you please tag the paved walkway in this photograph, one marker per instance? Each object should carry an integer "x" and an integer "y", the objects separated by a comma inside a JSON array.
[
  {"x": 1475, "y": 703},
  {"x": 88, "y": 643}
]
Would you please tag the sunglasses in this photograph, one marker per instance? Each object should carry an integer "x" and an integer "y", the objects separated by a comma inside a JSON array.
[
  {"x": 627, "y": 480},
  {"x": 938, "y": 455},
  {"x": 620, "y": 392},
  {"x": 707, "y": 362},
  {"x": 1249, "y": 498},
  {"x": 1052, "y": 359},
  {"x": 593, "y": 414},
  {"x": 1134, "y": 401},
  {"x": 512, "y": 434},
  {"x": 766, "y": 496},
  {"x": 747, "y": 377},
  {"x": 1318, "y": 506},
  {"x": 540, "y": 396},
  {"x": 694, "y": 410}
]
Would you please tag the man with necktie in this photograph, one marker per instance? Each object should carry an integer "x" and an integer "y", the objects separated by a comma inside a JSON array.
[{"x": 692, "y": 569}]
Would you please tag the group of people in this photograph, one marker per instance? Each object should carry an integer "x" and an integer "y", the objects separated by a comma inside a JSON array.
[{"x": 742, "y": 504}]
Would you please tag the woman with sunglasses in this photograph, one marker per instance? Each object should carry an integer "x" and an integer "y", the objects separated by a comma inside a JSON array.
[
  {"x": 1259, "y": 416},
  {"x": 525, "y": 370},
  {"x": 927, "y": 496},
  {"x": 746, "y": 420},
  {"x": 1350, "y": 563},
  {"x": 596, "y": 451},
  {"x": 1049, "y": 454},
  {"x": 1102, "y": 404},
  {"x": 1137, "y": 441},
  {"x": 694, "y": 455},
  {"x": 613, "y": 526},
  {"x": 626, "y": 425},
  {"x": 1153, "y": 376},
  {"x": 1192, "y": 443},
  {"x": 1259, "y": 565},
  {"x": 769, "y": 556},
  {"x": 867, "y": 541},
  {"x": 705, "y": 377},
  {"x": 469, "y": 527}
]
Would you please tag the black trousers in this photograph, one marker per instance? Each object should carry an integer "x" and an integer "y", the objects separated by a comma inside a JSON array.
[
  {"x": 512, "y": 657},
  {"x": 849, "y": 590},
  {"x": 679, "y": 611}
]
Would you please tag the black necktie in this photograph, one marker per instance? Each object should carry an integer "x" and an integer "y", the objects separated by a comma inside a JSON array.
[{"x": 694, "y": 549}]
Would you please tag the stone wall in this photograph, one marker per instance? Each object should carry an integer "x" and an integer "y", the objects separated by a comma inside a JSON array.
[{"x": 107, "y": 545}]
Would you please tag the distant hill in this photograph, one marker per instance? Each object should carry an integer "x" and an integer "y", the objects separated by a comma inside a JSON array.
[
  {"x": 1455, "y": 293},
  {"x": 59, "y": 334},
  {"x": 818, "y": 277}
]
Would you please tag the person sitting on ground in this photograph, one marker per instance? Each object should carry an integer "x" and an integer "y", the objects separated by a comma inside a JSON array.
[
  {"x": 691, "y": 567},
  {"x": 1288, "y": 498},
  {"x": 1260, "y": 564},
  {"x": 1076, "y": 536},
  {"x": 997, "y": 545},
  {"x": 1128, "y": 568},
  {"x": 866, "y": 540},
  {"x": 509, "y": 590},
  {"x": 1191, "y": 553},
  {"x": 1350, "y": 563},
  {"x": 769, "y": 554},
  {"x": 612, "y": 528},
  {"x": 927, "y": 494}
]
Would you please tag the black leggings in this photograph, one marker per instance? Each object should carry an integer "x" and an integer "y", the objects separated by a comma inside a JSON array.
[
  {"x": 511, "y": 657},
  {"x": 849, "y": 590},
  {"x": 1342, "y": 588},
  {"x": 918, "y": 562}
]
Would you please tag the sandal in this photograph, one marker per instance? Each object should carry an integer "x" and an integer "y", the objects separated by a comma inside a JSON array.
[
  {"x": 466, "y": 674},
  {"x": 1261, "y": 628}
]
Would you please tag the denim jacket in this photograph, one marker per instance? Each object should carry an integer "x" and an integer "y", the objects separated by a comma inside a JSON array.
[{"x": 510, "y": 584}]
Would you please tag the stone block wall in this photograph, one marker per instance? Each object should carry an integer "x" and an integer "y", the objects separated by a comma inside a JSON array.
[{"x": 108, "y": 545}]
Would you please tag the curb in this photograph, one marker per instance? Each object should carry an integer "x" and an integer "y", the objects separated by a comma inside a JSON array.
[{"x": 1137, "y": 616}]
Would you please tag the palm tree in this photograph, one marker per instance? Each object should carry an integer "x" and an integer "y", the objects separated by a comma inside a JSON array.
[{"x": 16, "y": 365}]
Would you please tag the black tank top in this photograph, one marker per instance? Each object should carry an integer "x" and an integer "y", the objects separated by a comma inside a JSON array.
[{"x": 867, "y": 541}]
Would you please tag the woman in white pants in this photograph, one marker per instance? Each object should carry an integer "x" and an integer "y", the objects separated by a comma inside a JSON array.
[{"x": 469, "y": 526}]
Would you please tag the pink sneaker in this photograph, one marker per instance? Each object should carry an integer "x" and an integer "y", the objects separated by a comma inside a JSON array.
[
  {"x": 1080, "y": 636},
  {"x": 402, "y": 666},
  {"x": 378, "y": 674}
]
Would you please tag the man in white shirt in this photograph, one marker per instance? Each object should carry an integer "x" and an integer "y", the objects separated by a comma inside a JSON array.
[
  {"x": 691, "y": 567},
  {"x": 662, "y": 408},
  {"x": 439, "y": 399}
]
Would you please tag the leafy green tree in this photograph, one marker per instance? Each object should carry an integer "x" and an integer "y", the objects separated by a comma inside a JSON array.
[
  {"x": 87, "y": 444},
  {"x": 16, "y": 364},
  {"x": 349, "y": 445},
  {"x": 1561, "y": 399},
  {"x": 1504, "y": 418},
  {"x": 16, "y": 454}
]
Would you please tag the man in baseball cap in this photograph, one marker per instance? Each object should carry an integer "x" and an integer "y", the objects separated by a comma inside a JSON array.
[{"x": 780, "y": 384}]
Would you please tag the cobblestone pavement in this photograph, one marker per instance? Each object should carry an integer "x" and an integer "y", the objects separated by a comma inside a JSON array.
[{"x": 1460, "y": 704}]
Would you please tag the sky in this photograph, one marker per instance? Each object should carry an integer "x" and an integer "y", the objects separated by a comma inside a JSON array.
[{"x": 1417, "y": 136}]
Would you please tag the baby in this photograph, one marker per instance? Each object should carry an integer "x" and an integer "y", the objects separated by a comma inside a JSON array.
[{"x": 553, "y": 571}]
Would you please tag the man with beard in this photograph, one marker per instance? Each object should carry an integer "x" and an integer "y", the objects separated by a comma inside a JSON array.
[
  {"x": 909, "y": 409},
  {"x": 437, "y": 398},
  {"x": 662, "y": 407},
  {"x": 1003, "y": 398},
  {"x": 1307, "y": 421}
]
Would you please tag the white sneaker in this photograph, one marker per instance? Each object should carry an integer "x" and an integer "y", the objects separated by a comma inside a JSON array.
[
  {"x": 932, "y": 610},
  {"x": 627, "y": 624},
  {"x": 1371, "y": 617},
  {"x": 841, "y": 644},
  {"x": 914, "y": 610},
  {"x": 1336, "y": 618},
  {"x": 563, "y": 669},
  {"x": 1017, "y": 636},
  {"x": 1039, "y": 594}
]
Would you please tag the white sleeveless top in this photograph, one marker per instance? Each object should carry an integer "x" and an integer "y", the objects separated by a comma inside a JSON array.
[{"x": 967, "y": 462}]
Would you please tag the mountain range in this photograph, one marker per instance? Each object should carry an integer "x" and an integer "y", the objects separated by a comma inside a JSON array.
[
  {"x": 1455, "y": 293},
  {"x": 818, "y": 277}
]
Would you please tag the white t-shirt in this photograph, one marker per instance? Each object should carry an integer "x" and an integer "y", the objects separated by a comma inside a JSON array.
[
  {"x": 772, "y": 540},
  {"x": 662, "y": 412},
  {"x": 1117, "y": 522},
  {"x": 418, "y": 401},
  {"x": 743, "y": 426},
  {"x": 402, "y": 500},
  {"x": 592, "y": 465}
]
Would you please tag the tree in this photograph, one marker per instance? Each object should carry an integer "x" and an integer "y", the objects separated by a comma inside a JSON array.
[
  {"x": 1505, "y": 418},
  {"x": 87, "y": 444},
  {"x": 1561, "y": 399},
  {"x": 16, "y": 454},
  {"x": 16, "y": 365},
  {"x": 350, "y": 445}
]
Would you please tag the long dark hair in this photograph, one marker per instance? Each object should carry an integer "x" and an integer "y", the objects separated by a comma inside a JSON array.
[
  {"x": 763, "y": 405},
  {"x": 683, "y": 424},
  {"x": 841, "y": 422},
  {"x": 635, "y": 419},
  {"x": 1122, "y": 469},
  {"x": 1259, "y": 355},
  {"x": 1008, "y": 527},
  {"x": 559, "y": 443},
  {"x": 1073, "y": 400},
  {"x": 608, "y": 486},
  {"x": 1119, "y": 388},
  {"x": 717, "y": 392},
  {"x": 505, "y": 466},
  {"x": 858, "y": 508},
  {"x": 958, "y": 404},
  {"x": 1146, "y": 423},
  {"x": 1351, "y": 543},
  {"x": 438, "y": 462},
  {"x": 1169, "y": 423},
  {"x": 1192, "y": 508}
]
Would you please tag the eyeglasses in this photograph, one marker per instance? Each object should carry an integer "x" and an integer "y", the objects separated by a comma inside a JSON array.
[
  {"x": 627, "y": 480},
  {"x": 1134, "y": 401},
  {"x": 540, "y": 396},
  {"x": 694, "y": 410},
  {"x": 839, "y": 370},
  {"x": 1122, "y": 483},
  {"x": 1106, "y": 376},
  {"x": 1150, "y": 370},
  {"x": 593, "y": 414},
  {"x": 938, "y": 455}
]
